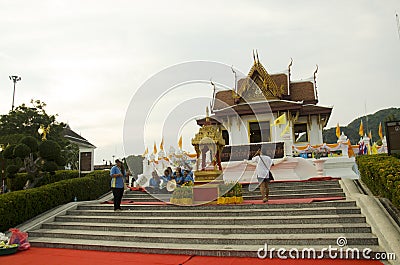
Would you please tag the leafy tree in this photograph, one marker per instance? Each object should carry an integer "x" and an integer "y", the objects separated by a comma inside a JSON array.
[
  {"x": 70, "y": 154},
  {"x": 19, "y": 132},
  {"x": 26, "y": 120}
]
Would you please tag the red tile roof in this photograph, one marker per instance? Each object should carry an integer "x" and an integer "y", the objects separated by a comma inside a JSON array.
[
  {"x": 281, "y": 79},
  {"x": 303, "y": 91}
]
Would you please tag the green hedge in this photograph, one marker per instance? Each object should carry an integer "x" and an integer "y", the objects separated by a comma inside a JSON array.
[
  {"x": 381, "y": 173},
  {"x": 19, "y": 181},
  {"x": 19, "y": 206}
]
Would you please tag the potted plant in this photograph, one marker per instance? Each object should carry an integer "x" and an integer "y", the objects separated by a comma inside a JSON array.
[{"x": 318, "y": 162}]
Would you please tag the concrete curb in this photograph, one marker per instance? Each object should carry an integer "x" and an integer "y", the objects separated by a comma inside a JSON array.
[{"x": 382, "y": 224}]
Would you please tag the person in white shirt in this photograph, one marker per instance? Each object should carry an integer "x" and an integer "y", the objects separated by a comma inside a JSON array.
[{"x": 263, "y": 168}]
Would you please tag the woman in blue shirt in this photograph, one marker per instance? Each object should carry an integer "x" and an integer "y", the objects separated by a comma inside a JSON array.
[
  {"x": 187, "y": 177},
  {"x": 117, "y": 175},
  {"x": 154, "y": 183},
  {"x": 179, "y": 178}
]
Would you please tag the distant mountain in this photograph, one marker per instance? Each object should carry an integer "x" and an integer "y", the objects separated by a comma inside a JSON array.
[{"x": 371, "y": 121}]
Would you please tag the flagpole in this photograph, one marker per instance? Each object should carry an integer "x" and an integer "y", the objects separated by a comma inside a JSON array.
[{"x": 366, "y": 117}]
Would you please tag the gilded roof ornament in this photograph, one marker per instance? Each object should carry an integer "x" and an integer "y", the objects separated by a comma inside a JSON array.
[
  {"x": 290, "y": 66},
  {"x": 259, "y": 77},
  {"x": 315, "y": 82}
]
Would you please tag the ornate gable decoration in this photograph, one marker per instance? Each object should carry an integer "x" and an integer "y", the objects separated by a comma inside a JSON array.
[{"x": 258, "y": 76}]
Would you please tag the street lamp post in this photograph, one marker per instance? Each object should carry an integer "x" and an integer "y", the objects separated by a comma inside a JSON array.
[
  {"x": 2, "y": 170},
  {"x": 15, "y": 79}
]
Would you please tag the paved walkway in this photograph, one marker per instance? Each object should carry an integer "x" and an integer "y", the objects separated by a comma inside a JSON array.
[{"x": 54, "y": 256}]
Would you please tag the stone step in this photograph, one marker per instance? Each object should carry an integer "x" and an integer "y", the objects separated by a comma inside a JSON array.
[
  {"x": 302, "y": 185},
  {"x": 233, "y": 213},
  {"x": 139, "y": 207},
  {"x": 246, "y": 192},
  {"x": 241, "y": 220},
  {"x": 321, "y": 194},
  {"x": 286, "y": 186},
  {"x": 290, "y": 190},
  {"x": 250, "y": 197},
  {"x": 218, "y": 229},
  {"x": 320, "y": 184},
  {"x": 220, "y": 239},
  {"x": 249, "y": 250}
]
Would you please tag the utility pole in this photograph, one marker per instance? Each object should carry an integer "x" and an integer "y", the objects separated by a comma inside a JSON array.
[{"x": 15, "y": 79}]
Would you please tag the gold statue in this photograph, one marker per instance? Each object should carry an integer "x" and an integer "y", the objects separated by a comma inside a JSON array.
[{"x": 44, "y": 131}]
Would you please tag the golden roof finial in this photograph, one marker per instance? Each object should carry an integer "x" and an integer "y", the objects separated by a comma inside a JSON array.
[
  {"x": 207, "y": 114},
  {"x": 315, "y": 72},
  {"x": 315, "y": 82},
  {"x": 290, "y": 64},
  {"x": 258, "y": 60}
]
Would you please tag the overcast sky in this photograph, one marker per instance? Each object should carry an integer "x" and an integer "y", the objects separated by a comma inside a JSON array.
[{"x": 86, "y": 59}]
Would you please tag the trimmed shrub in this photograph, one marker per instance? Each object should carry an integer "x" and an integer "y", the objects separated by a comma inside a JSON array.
[
  {"x": 12, "y": 169},
  {"x": 21, "y": 150},
  {"x": 31, "y": 142},
  {"x": 8, "y": 153},
  {"x": 49, "y": 150},
  {"x": 58, "y": 176},
  {"x": 381, "y": 173},
  {"x": 44, "y": 178},
  {"x": 49, "y": 166},
  {"x": 17, "y": 182},
  {"x": 20, "y": 206},
  {"x": 61, "y": 161}
]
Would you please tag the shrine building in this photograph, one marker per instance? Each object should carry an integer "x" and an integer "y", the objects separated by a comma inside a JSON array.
[{"x": 247, "y": 113}]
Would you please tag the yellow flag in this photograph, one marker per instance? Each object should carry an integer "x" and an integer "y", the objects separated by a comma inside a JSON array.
[
  {"x": 145, "y": 152},
  {"x": 350, "y": 149},
  {"x": 162, "y": 144},
  {"x": 155, "y": 148},
  {"x": 374, "y": 148},
  {"x": 380, "y": 130},
  {"x": 180, "y": 143},
  {"x": 280, "y": 120},
  {"x": 286, "y": 130},
  {"x": 370, "y": 135},
  {"x": 361, "y": 130},
  {"x": 337, "y": 130}
]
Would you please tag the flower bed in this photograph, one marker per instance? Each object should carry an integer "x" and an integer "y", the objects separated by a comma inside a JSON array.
[
  {"x": 183, "y": 195},
  {"x": 232, "y": 194}
]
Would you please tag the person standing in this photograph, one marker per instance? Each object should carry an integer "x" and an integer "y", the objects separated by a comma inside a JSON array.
[
  {"x": 117, "y": 174},
  {"x": 263, "y": 168}
]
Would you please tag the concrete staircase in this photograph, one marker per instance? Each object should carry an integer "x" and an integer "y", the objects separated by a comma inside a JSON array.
[
  {"x": 278, "y": 190},
  {"x": 219, "y": 230}
]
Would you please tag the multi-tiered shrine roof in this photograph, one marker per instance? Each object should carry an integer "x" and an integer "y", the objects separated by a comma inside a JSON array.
[{"x": 278, "y": 90}]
